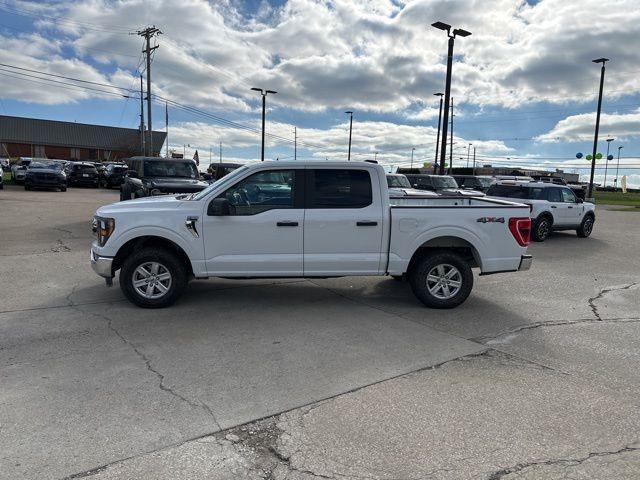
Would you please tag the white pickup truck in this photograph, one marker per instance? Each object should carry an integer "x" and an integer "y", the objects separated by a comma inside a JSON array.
[{"x": 315, "y": 219}]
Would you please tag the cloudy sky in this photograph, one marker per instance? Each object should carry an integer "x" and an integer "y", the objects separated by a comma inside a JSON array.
[{"x": 524, "y": 86}]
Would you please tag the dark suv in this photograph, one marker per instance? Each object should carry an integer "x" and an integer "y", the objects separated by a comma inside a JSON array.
[
  {"x": 474, "y": 182},
  {"x": 149, "y": 176},
  {"x": 82, "y": 173},
  {"x": 219, "y": 170},
  {"x": 45, "y": 175},
  {"x": 113, "y": 175}
]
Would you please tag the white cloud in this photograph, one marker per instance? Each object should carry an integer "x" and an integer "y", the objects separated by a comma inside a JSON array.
[{"x": 581, "y": 127}]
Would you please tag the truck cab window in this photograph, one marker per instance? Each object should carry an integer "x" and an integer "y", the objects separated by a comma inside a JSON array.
[
  {"x": 340, "y": 189},
  {"x": 262, "y": 191}
]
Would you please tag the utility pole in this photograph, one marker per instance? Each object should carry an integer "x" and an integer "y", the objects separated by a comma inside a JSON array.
[
  {"x": 413, "y": 149},
  {"x": 595, "y": 138},
  {"x": 469, "y": 153},
  {"x": 295, "y": 143},
  {"x": 148, "y": 33},
  {"x": 166, "y": 124},
  {"x": 375, "y": 157},
  {"x": 350, "y": 113},
  {"x": 451, "y": 147},
  {"x": 435, "y": 163},
  {"x": 142, "y": 150},
  {"x": 474, "y": 160},
  {"x": 264, "y": 94},
  {"x": 220, "y": 152}
]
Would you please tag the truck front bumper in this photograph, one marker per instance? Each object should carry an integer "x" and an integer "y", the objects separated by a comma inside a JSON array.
[
  {"x": 525, "y": 262},
  {"x": 101, "y": 265}
]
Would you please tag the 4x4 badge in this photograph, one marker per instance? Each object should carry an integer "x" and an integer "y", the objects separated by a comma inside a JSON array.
[{"x": 491, "y": 220}]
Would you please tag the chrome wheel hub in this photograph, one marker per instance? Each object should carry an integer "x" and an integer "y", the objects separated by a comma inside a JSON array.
[
  {"x": 151, "y": 280},
  {"x": 444, "y": 281}
]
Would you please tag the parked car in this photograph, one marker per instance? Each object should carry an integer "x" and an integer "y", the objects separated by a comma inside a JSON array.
[
  {"x": 19, "y": 170},
  {"x": 473, "y": 182},
  {"x": 45, "y": 175},
  {"x": 219, "y": 170},
  {"x": 1, "y": 179},
  {"x": 113, "y": 175},
  {"x": 554, "y": 180},
  {"x": 552, "y": 207},
  {"x": 82, "y": 173},
  {"x": 517, "y": 178},
  {"x": 100, "y": 167},
  {"x": 314, "y": 220},
  {"x": 148, "y": 176},
  {"x": 399, "y": 186},
  {"x": 441, "y": 184}
]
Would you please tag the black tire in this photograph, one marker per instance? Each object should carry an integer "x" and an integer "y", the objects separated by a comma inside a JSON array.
[
  {"x": 586, "y": 227},
  {"x": 169, "y": 262},
  {"x": 63, "y": 189},
  {"x": 432, "y": 261},
  {"x": 398, "y": 278},
  {"x": 27, "y": 187},
  {"x": 125, "y": 192},
  {"x": 541, "y": 228}
]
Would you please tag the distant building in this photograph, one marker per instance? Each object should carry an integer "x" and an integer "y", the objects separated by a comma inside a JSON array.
[
  {"x": 489, "y": 170},
  {"x": 31, "y": 137}
]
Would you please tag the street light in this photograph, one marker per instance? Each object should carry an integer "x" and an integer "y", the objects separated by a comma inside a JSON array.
[
  {"x": 264, "y": 103},
  {"x": 447, "y": 91},
  {"x": 595, "y": 138},
  {"x": 615, "y": 182},
  {"x": 606, "y": 163},
  {"x": 435, "y": 163},
  {"x": 350, "y": 113},
  {"x": 469, "y": 153}
]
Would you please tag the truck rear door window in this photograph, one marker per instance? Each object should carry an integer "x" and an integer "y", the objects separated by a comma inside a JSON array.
[{"x": 340, "y": 189}]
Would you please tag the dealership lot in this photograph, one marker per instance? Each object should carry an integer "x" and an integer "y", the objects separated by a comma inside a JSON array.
[{"x": 536, "y": 375}]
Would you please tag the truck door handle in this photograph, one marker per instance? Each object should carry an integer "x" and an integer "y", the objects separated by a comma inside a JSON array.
[
  {"x": 570, "y": 206},
  {"x": 553, "y": 206},
  {"x": 366, "y": 224},
  {"x": 287, "y": 224}
]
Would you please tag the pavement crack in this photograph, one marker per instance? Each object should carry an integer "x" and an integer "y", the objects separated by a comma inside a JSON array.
[
  {"x": 490, "y": 339},
  {"x": 602, "y": 293},
  {"x": 559, "y": 461},
  {"x": 149, "y": 366}
]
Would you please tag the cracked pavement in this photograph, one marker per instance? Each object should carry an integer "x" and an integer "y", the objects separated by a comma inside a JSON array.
[{"x": 535, "y": 376}]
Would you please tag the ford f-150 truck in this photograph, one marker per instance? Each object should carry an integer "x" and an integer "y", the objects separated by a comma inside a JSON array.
[{"x": 315, "y": 219}]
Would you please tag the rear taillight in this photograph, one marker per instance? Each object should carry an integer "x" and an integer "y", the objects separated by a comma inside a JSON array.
[{"x": 520, "y": 228}]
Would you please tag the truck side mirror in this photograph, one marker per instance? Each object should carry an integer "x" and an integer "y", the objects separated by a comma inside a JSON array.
[
  {"x": 219, "y": 207},
  {"x": 579, "y": 200},
  {"x": 132, "y": 174}
]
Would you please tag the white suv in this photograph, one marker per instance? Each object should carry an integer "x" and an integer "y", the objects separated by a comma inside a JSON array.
[{"x": 553, "y": 207}]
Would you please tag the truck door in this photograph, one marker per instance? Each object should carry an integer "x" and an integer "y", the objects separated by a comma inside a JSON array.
[
  {"x": 262, "y": 235},
  {"x": 343, "y": 222}
]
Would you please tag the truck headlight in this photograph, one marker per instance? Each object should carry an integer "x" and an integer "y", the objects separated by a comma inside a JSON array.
[{"x": 102, "y": 228}]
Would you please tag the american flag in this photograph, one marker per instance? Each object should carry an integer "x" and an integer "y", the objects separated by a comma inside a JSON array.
[{"x": 196, "y": 158}]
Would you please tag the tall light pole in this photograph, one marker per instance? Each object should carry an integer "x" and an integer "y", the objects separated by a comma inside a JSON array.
[
  {"x": 435, "y": 163},
  {"x": 350, "y": 113},
  {"x": 451, "y": 147},
  {"x": 447, "y": 89},
  {"x": 295, "y": 143},
  {"x": 413, "y": 149},
  {"x": 606, "y": 163},
  {"x": 595, "y": 138},
  {"x": 264, "y": 104},
  {"x": 615, "y": 182},
  {"x": 469, "y": 153}
]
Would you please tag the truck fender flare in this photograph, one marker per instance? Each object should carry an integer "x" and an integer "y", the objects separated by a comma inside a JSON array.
[{"x": 467, "y": 238}]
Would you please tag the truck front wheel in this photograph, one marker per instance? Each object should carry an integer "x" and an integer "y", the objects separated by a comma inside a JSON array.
[
  {"x": 153, "y": 278},
  {"x": 441, "y": 279}
]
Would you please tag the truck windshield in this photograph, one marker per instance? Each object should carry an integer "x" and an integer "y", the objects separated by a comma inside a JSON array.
[
  {"x": 168, "y": 168},
  {"x": 398, "y": 181},
  {"x": 443, "y": 182},
  {"x": 219, "y": 183}
]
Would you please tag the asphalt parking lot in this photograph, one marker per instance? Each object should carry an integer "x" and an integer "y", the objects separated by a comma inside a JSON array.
[{"x": 535, "y": 376}]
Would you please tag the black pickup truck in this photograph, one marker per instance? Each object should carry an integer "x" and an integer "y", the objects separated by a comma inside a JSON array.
[{"x": 149, "y": 176}]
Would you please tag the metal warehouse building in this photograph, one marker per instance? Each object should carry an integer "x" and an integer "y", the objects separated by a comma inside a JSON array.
[{"x": 32, "y": 137}]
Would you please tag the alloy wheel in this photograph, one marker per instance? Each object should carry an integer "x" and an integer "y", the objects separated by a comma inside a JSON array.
[
  {"x": 151, "y": 280},
  {"x": 444, "y": 281}
]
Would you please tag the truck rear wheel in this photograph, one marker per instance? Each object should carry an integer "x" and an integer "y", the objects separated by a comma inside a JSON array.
[
  {"x": 153, "y": 278},
  {"x": 441, "y": 279}
]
